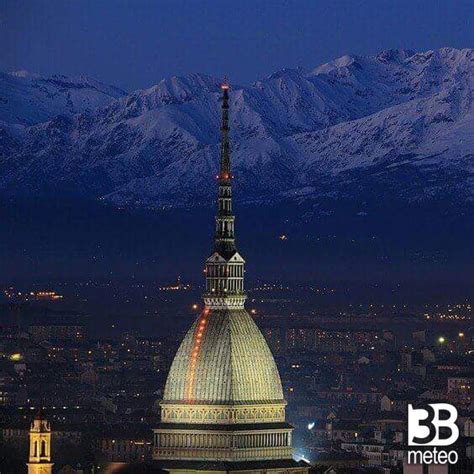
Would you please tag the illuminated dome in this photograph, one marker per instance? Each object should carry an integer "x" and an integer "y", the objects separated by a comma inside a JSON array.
[{"x": 224, "y": 359}]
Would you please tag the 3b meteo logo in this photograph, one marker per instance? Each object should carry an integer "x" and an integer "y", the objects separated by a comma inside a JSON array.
[{"x": 432, "y": 425}]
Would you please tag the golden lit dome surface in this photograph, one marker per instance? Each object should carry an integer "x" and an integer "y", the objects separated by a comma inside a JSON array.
[{"x": 223, "y": 359}]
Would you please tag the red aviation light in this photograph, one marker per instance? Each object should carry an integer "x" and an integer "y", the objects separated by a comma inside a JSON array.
[{"x": 195, "y": 353}]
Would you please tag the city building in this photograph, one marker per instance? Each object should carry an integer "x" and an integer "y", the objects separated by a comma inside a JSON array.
[
  {"x": 132, "y": 444},
  {"x": 39, "y": 460},
  {"x": 58, "y": 327},
  {"x": 373, "y": 451},
  {"x": 223, "y": 408}
]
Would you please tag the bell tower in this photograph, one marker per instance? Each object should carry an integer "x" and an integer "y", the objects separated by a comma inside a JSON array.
[{"x": 39, "y": 461}]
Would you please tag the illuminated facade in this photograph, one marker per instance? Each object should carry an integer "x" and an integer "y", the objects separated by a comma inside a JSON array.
[
  {"x": 223, "y": 408},
  {"x": 39, "y": 459}
]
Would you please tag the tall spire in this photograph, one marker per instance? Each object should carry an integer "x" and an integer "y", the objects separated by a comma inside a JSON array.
[
  {"x": 224, "y": 171},
  {"x": 224, "y": 237},
  {"x": 225, "y": 267},
  {"x": 223, "y": 400}
]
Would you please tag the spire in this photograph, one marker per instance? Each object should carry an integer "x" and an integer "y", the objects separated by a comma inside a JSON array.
[
  {"x": 225, "y": 238},
  {"x": 224, "y": 171},
  {"x": 225, "y": 267},
  {"x": 39, "y": 413}
]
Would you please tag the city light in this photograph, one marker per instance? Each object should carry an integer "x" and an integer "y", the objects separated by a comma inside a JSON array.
[
  {"x": 311, "y": 425},
  {"x": 441, "y": 340}
]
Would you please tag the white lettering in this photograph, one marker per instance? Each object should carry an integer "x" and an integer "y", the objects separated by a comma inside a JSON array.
[
  {"x": 415, "y": 457},
  {"x": 432, "y": 457},
  {"x": 455, "y": 457}
]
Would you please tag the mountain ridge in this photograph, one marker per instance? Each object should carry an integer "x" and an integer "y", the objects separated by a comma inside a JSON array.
[
  {"x": 399, "y": 122},
  {"x": 28, "y": 98}
]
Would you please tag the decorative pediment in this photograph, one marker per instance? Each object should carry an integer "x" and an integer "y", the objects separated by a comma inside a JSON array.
[
  {"x": 216, "y": 257},
  {"x": 237, "y": 258}
]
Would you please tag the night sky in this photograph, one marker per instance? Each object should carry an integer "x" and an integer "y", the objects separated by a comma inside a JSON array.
[{"x": 133, "y": 44}]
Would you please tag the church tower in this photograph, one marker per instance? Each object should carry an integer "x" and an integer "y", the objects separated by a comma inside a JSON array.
[
  {"x": 223, "y": 409},
  {"x": 40, "y": 446}
]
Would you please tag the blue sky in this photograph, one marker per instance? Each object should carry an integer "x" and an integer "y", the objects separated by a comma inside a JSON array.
[{"x": 134, "y": 44}]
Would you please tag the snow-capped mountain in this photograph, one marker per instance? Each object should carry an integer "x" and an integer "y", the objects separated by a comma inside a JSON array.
[
  {"x": 28, "y": 99},
  {"x": 398, "y": 124}
]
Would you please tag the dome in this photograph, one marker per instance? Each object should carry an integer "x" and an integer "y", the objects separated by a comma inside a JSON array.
[{"x": 223, "y": 359}]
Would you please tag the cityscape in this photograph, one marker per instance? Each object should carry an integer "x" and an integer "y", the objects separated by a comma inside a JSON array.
[
  {"x": 348, "y": 374},
  {"x": 208, "y": 277}
]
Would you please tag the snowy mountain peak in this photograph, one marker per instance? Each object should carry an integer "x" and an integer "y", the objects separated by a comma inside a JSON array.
[
  {"x": 394, "y": 55},
  {"x": 179, "y": 89},
  {"x": 23, "y": 73},
  {"x": 343, "y": 62},
  {"x": 27, "y": 98},
  {"x": 394, "y": 124},
  {"x": 285, "y": 73}
]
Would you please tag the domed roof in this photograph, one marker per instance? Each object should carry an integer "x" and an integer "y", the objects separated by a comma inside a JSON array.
[{"x": 223, "y": 359}]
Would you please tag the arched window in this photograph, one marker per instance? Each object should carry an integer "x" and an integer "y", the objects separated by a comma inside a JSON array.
[
  {"x": 43, "y": 448},
  {"x": 36, "y": 449}
]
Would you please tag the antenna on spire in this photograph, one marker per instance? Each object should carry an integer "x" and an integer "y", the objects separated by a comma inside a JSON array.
[
  {"x": 224, "y": 169},
  {"x": 225, "y": 83}
]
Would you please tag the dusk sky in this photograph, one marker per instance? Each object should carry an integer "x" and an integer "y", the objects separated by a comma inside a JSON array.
[{"x": 133, "y": 44}]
